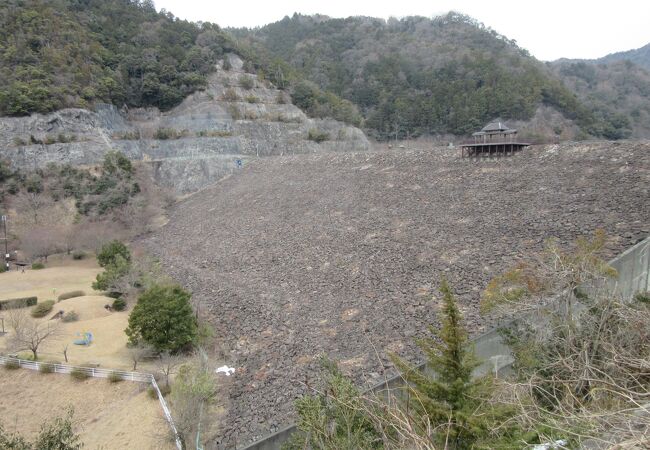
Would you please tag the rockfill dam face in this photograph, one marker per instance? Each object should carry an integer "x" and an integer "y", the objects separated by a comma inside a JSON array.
[{"x": 341, "y": 253}]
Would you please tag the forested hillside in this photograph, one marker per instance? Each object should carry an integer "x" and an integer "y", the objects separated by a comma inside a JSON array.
[
  {"x": 618, "y": 92},
  {"x": 397, "y": 79},
  {"x": 417, "y": 75},
  {"x": 66, "y": 53},
  {"x": 639, "y": 56}
]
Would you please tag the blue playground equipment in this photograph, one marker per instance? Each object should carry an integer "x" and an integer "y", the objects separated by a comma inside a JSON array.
[{"x": 86, "y": 338}]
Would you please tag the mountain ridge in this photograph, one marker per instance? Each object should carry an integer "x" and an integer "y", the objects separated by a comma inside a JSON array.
[{"x": 415, "y": 75}]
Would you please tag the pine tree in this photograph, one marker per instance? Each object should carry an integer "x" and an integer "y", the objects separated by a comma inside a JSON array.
[{"x": 448, "y": 398}]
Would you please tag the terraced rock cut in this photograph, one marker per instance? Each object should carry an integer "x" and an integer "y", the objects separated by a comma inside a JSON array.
[
  {"x": 236, "y": 118},
  {"x": 339, "y": 253}
]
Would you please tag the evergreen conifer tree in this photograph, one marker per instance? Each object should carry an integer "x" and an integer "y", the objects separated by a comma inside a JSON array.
[{"x": 448, "y": 398}]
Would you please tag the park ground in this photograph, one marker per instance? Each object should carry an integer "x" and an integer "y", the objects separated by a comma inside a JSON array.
[{"x": 107, "y": 415}]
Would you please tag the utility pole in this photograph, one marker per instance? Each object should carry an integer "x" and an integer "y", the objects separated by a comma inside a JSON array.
[{"x": 3, "y": 218}]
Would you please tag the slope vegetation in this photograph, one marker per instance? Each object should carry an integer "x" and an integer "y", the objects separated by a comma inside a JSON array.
[
  {"x": 618, "y": 92},
  {"x": 339, "y": 253},
  {"x": 417, "y": 75},
  {"x": 71, "y": 53},
  {"x": 74, "y": 53},
  {"x": 639, "y": 56}
]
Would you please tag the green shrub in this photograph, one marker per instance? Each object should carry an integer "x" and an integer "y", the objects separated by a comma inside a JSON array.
[
  {"x": 252, "y": 99},
  {"x": 11, "y": 364},
  {"x": 29, "y": 356},
  {"x": 38, "y": 266},
  {"x": 163, "y": 318},
  {"x": 3, "y": 268},
  {"x": 19, "y": 142},
  {"x": 214, "y": 133},
  {"x": 13, "y": 187},
  {"x": 643, "y": 297},
  {"x": 169, "y": 133},
  {"x": 317, "y": 135},
  {"x": 115, "y": 377},
  {"x": 70, "y": 316},
  {"x": 46, "y": 368},
  {"x": 119, "y": 304},
  {"x": 42, "y": 309},
  {"x": 226, "y": 63},
  {"x": 49, "y": 140},
  {"x": 246, "y": 82},
  {"x": 230, "y": 95},
  {"x": 71, "y": 294},
  {"x": 79, "y": 374},
  {"x": 78, "y": 255},
  {"x": 14, "y": 303},
  {"x": 164, "y": 390},
  {"x": 152, "y": 393},
  {"x": 108, "y": 253}
]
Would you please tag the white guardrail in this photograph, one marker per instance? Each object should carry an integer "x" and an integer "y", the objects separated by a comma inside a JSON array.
[{"x": 96, "y": 372}]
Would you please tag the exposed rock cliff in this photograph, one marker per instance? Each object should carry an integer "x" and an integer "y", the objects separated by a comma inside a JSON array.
[{"x": 236, "y": 117}]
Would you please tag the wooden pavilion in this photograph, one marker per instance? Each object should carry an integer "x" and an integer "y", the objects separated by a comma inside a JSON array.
[{"x": 495, "y": 138}]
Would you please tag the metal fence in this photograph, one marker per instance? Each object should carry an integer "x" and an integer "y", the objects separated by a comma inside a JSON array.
[{"x": 96, "y": 372}]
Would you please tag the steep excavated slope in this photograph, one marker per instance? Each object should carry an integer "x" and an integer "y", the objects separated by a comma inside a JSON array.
[
  {"x": 339, "y": 253},
  {"x": 237, "y": 116}
]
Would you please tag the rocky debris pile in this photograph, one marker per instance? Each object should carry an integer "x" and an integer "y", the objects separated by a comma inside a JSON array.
[
  {"x": 237, "y": 117},
  {"x": 340, "y": 253}
]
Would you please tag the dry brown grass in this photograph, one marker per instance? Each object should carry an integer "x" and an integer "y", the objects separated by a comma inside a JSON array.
[
  {"x": 61, "y": 275},
  {"x": 107, "y": 415},
  {"x": 64, "y": 275}
]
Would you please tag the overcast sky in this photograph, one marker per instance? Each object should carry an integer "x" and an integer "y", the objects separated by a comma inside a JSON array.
[{"x": 549, "y": 29}]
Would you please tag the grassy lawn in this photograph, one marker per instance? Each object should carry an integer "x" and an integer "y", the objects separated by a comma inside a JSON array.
[{"x": 106, "y": 415}]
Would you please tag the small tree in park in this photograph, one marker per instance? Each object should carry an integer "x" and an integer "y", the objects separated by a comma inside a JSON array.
[
  {"x": 108, "y": 253},
  {"x": 163, "y": 318}
]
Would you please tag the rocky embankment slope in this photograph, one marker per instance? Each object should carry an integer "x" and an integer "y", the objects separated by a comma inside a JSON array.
[
  {"x": 339, "y": 253},
  {"x": 237, "y": 117}
]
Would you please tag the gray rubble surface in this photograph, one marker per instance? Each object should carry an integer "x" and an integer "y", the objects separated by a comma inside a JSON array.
[{"x": 339, "y": 253}]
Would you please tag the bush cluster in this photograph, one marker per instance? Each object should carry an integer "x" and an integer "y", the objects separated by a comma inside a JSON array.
[
  {"x": 42, "y": 309},
  {"x": 12, "y": 303},
  {"x": 46, "y": 368},
  {"x": 169, "y": 133},
  {"x": 70, "y": 316},
  {"x": 115, "y": 377},
  {"x": 79, "y": 374},
  {"x": 317, "y": 135},
  {"x": 11, "y": 364},
  {"x": 246, "y": 82},
  {"x": 119, "y": 304},
  {"x": 71, "y": 294}
]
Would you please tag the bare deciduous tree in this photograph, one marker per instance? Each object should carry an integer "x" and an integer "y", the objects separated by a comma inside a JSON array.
[
  {"x": 32, "y": 204},
  {"x": 167, "y": 364},
  {"x": 27, "y": 333},
  {"x": 40, "y": 242},
  {"x": 139, "y": 353}
]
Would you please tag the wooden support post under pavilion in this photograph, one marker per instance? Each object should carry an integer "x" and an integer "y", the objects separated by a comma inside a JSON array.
[{"x": 494, "y": 137}]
